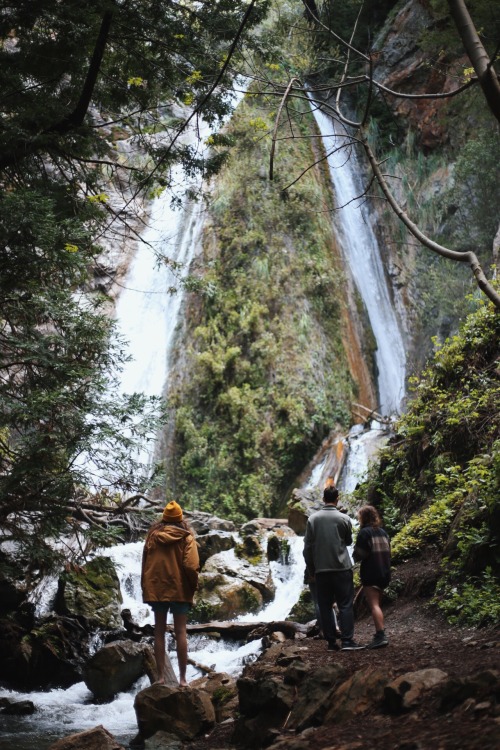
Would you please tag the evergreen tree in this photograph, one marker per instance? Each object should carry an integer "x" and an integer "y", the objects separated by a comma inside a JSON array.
[{"x": 74, "y": 77}]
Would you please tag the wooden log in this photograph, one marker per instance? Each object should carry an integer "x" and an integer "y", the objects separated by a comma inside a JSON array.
[{"x": 240, "y": 631}]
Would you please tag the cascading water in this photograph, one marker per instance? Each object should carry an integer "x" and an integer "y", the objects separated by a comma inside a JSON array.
[
  {"x": 148, "y": 322},
  {"x": 360, "y": 247}
]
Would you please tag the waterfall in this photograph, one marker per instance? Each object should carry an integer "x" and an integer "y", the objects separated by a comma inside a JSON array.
[
  {"x": 357, "y": 239},
  {"x": 146, "y": 313}
]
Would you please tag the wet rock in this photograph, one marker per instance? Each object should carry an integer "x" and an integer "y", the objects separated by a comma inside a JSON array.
[
  {"x": 213, "y": 542},
  {"x": 18, "y": 708},
  {"x": 229, "y": 586},
  {"x": 303, "y": 610},
  {"x": 115, "y": 667},
  {"x": 97, "y": 738},
  {"x": 222, "y": 690},
  {"x": 407, "y": 690},
  {"x": 93, "y": 593},
  {"x": 202, "y": 522},
  {"x": 302, "y": 505},
  {"x": 183, "y": 712},
  {"x": 52, "y": 654}
]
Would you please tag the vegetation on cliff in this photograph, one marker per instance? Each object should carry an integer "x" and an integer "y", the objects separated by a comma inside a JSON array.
[
  {"x": 439, "y": 479},
  {"x": 268, "y": 372}
]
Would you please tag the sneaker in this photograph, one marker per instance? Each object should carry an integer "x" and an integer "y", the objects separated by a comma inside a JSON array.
[
  {"x": 351, "y": 646},
  {"x": 379, "y": 640},
  {"x": 333, "y": 646}
]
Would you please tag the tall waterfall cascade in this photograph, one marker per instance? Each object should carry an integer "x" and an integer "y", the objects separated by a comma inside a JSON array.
[{"x": 352, "y": 224}]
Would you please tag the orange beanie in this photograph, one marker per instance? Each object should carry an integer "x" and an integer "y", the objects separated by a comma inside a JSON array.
[{"x": 172, "y": 512}]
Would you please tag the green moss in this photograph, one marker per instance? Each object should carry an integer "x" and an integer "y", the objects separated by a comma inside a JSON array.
[
  {"x": 202, "y": 611},
  {"x": 268, "y": 372},
  {"x": 222, "y": 695},
  {"x": 303, "y": 610},
  {"x": 250, "y": 550}
]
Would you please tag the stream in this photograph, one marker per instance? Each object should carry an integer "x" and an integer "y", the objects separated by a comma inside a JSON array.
[{"x": 148, "y": 315}]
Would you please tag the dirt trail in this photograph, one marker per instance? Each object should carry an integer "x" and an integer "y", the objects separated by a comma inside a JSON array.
[{"x": 419, "y": 639}]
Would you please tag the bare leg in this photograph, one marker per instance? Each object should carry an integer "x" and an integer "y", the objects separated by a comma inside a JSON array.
[
  {"x": 181, "y": 646},
  {"x": 373, "y": 598},
  {"x": 160, "y": 625}
]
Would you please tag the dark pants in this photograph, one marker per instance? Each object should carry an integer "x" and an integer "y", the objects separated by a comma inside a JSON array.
[
  {"x": 336, "y": 585},
  {"x": 314, "y": 597}
]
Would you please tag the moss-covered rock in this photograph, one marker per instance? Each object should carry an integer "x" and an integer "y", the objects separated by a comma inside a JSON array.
[{"x": 91, "y": 592}]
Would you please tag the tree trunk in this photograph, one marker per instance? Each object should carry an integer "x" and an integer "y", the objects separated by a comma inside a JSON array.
[{"x": 488, "y": 79}]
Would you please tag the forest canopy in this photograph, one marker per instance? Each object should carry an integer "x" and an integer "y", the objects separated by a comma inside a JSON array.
[{"x": 75, "y": 79}]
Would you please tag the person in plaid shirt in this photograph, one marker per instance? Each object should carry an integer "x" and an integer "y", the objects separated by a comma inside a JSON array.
[{"x": 373, "y": 549}]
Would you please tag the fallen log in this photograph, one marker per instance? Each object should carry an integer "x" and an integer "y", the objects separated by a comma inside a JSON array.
[{"x": 241, "y": 631}]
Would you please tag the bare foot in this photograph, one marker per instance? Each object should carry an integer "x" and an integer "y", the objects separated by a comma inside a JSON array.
[
  {"x": 159, "y": 682},
  {"x": 183, "y": 683}
]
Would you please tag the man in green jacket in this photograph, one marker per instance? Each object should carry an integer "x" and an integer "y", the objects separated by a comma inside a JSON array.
[{"x": 328, "y": 535}]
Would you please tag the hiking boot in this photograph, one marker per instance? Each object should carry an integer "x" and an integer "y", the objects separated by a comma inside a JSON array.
[
  {"x": 333, "y": 646},
  {"x": 379, "y": 640},
  {"x": 351, "y": 646}
]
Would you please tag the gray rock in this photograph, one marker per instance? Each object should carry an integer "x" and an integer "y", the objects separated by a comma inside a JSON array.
[
  {"x": 183, "y": 712},
  {"x": 115, "y": 667},
  {"x": 407, "y": 690},
  {"x": 92, "y": 592},
  {"x": 213, "y": 542}
]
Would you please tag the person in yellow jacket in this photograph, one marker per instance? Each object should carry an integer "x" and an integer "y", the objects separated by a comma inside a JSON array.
[{"x": 170, "y": 566}]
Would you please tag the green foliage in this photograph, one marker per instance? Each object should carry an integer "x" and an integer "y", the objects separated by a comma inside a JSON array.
[
  {"x": 442, "y": 469},
  {"x": 269, "y": 375},
  {"x": 475, "y": 600},
  {"x": 74, "y": 81}
]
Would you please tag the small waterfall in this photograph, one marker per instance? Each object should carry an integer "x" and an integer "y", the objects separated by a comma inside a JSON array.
[
  {"x": 146, "y": 313},
  {"x": 356, "y": 237}
]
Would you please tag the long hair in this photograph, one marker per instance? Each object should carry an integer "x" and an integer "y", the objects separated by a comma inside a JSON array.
[{"x": 369, "y": 516}]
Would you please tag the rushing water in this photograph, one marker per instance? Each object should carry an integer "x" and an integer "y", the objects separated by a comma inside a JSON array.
[
  {"x": 147, "y": 317},
  {"x": 61, "y": 712},
  {"x": 361, "y": 250}
]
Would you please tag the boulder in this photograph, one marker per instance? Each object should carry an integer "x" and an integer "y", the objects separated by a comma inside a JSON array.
[
  {"x": 97, "y": 738},
  {"x": 229, "y": 586},
  {"x": 115, "y": 667},
  {"x": 264, "y": 704},
  {"x": 93, "y": 593},
  {"x": 364, "y": 690},
  {"x": 406, "y": 691},
  {"x": 52, "y": 654},
  {"x": 18, "y": 708},
  {"x": 301, "y": 506},
  {"x": 182, "y": 712},
  {"x": 213, "y": 542},
  {"x": 202, "y": 522},
  {"x": 478, "y": 686},
  {"x": 221, "y": 688},
  {"x": 315, "y": 696},
  {"x": 303, "y": 610}
]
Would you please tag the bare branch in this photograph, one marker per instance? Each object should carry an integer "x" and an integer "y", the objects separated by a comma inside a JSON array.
[
  {"x": 465, "y": 257},
  {"x": 277, "y": 122},
  {"x": 488, "y": 79}
]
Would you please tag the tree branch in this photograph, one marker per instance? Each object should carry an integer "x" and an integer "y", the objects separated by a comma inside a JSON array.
[
  {"x": 465, "y": 257},
  {"x": 487, "y": 77}
]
